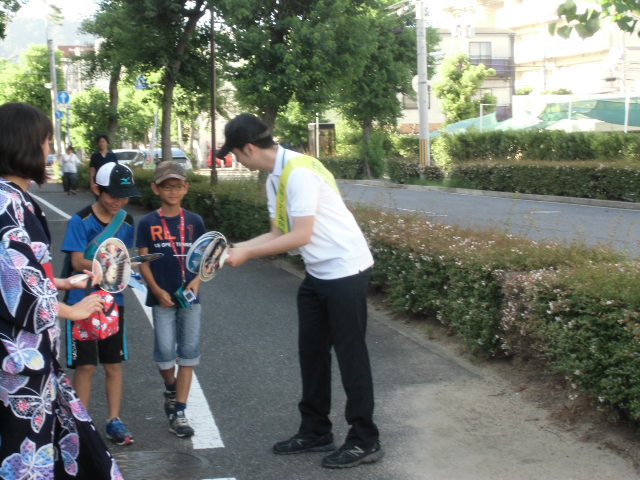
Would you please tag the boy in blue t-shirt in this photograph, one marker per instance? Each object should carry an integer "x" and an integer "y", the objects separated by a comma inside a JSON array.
[
  {"x": 172, "y": 230},
  {"x": 113, "y": 186}
]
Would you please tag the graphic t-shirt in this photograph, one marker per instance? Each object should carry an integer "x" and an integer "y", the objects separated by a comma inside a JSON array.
[
  {"x": 167, "y": 271},
  {"x": 83, "y": 227}
]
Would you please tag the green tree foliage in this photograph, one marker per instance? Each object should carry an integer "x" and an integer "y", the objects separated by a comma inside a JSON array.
[
  {"x": 27, "y": 82},
  {"x": 459, "y": 88},
  {"x": 89, "y": 117},
  {"x": 371, "y": 98},
  {"x": 292, "y": 125},
  {"x": 274, "y": 51},
  {"x": 7, "y": 9},
  {"x": 152, "y": 35},
  {"x": 112, "y": 25},
  {"x": 135, "y": 113},
  {"x": 624, "y": 13}
]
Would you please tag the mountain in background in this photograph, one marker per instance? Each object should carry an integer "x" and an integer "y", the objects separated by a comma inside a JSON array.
[{"x": 23, "y": 32}]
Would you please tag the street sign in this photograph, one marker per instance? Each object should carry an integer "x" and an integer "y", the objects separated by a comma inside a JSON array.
[
  {"x": 63, "y": 97},
  {"x": 141, "y": 83},
  {"x": 59, "y": 114}
]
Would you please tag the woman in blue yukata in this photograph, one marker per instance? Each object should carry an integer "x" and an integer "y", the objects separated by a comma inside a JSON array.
[{"x": 45, "y": 431}]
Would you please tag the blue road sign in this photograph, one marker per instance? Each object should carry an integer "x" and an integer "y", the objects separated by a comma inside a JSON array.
[
  {"x": 63, "y": 97},
  {"x": 141, "y": 83},
  {"x": 59, "y": 114}
]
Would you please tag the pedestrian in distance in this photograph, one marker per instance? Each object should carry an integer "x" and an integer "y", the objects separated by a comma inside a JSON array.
[
  {"x": 45, "y": 431},
  {"x": 307, "y": 213},
  {"x": 99, "y": 158},
  {"x": 70, "y": 163},
  {"x": 105, "y": 218},
  {"x": 172, "y": 290}
]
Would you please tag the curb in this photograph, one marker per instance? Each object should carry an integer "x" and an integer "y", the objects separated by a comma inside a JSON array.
[{"x": 489, "y": 193}]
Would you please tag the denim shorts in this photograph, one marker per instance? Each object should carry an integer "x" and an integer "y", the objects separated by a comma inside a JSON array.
[{"x": 177, "y": 336}]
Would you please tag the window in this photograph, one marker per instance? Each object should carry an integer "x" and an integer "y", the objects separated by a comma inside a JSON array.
[
  {"x": 479, "y": 51},
  {"x": 409, "y": 103}
]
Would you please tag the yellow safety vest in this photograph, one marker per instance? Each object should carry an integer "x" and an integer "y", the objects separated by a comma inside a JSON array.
[{"x": 305, "y": 161}]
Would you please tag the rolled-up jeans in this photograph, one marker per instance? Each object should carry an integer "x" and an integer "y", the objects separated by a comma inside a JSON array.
[{"x": 177, "y": 336}]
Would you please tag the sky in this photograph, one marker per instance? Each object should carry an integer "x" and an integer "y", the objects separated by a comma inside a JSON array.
[
  {"x": 71, "y": 9},
  {"x": 79, "y": 9}
]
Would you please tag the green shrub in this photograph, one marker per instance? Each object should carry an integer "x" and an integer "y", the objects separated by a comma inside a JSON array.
[
  {"x": 375, "y": 151},
  {"x": 584, "y": 180},
  {"x": 524, "y": 90},
  {"x": 241, "y": 209},
  {"x": 405, "y": 145},
  {"x": 456, "y": 273},
  {"x": 575, "y": 307},
  {"x": 404, "y": 170},
  {"x": 585, "y": 321},
  {"x": 534, "y": 145},
  {"x": 348, "y": 168}
]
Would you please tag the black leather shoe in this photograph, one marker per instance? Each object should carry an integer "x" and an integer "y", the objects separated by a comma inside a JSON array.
[
  {"x": 351, "y": 455},
  {"x": 303, "y": 443}
]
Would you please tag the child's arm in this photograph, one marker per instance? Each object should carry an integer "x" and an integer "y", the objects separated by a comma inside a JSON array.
[
  {"x": 195, "y": 284},
  {"x": 79, "y": 263},
  {"x": 162, "y": 296}
]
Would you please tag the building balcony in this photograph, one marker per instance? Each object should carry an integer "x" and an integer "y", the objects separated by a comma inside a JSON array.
[{"x": 502, "y": 66}]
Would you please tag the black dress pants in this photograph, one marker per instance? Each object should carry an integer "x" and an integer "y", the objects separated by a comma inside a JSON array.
[{"x": 333, "y": 313}]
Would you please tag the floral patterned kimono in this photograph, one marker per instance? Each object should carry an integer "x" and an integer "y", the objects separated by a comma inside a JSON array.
[{"x": 45, "y": 431}]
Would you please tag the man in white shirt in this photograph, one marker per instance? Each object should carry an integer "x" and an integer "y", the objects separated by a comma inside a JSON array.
[
  {"x": 308, "y": 214},
  {"x": 69, "y": 163}
]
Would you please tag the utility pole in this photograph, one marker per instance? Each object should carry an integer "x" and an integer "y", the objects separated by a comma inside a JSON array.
[
  {"x": 213, "y": 179},
  {"x": 54, "y": 95},
  {"x": 423, "y": 89}
]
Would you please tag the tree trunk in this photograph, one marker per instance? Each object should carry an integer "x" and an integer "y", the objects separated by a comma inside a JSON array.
[
  {"x": 172, "y": 73},
  {"x": 269, "y": 118},
  {"x": 366, "y": 138},
  {"x": 167, "y": 108},
  {"x": 112, "y": 124}
]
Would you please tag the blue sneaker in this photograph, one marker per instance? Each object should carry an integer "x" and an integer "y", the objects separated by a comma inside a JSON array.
[{"x": 118, "y": 433}]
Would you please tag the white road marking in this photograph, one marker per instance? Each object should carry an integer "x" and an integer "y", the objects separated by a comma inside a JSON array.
[
  {"x": 428, "y": 214},
  {"x": 207, "y": 433},
  {"x": 41, "y": 200},
  {"x": 534, "y": 212}
]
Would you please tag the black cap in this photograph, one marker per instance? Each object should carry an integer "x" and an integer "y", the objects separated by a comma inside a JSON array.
[
  {"x": 117, "y": 179},
  {"x": 243, "y": 129}
]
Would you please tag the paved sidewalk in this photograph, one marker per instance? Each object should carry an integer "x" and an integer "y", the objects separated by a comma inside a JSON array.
[{"x": 442, "y": 417}]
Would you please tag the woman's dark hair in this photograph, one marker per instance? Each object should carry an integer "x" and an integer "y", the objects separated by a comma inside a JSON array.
[
  {"x": 23, "y": 130},
  {"x": 102, "y": 136}
]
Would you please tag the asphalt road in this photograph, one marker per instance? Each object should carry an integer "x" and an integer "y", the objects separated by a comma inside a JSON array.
[
  {"x": 599, "y": 223},
  {"x": 440, "y": 417}
]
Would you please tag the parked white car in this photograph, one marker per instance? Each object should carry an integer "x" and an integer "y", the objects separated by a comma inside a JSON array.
[
  {"x": 125, "y": 156},
  {"x": 177, "y": 155}
]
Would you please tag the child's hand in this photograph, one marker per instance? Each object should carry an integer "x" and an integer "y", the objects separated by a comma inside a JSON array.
[
  {"x": 194, "y": 286},
  {"x": 164, "y": 298}
]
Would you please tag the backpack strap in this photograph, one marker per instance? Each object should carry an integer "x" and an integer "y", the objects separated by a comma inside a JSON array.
[{"x": 108, "y": 232}]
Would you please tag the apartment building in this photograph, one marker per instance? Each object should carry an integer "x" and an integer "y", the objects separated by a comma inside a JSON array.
[
  {"x": 496, "y": 32},
  {"x": 608, "y": 62}
]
